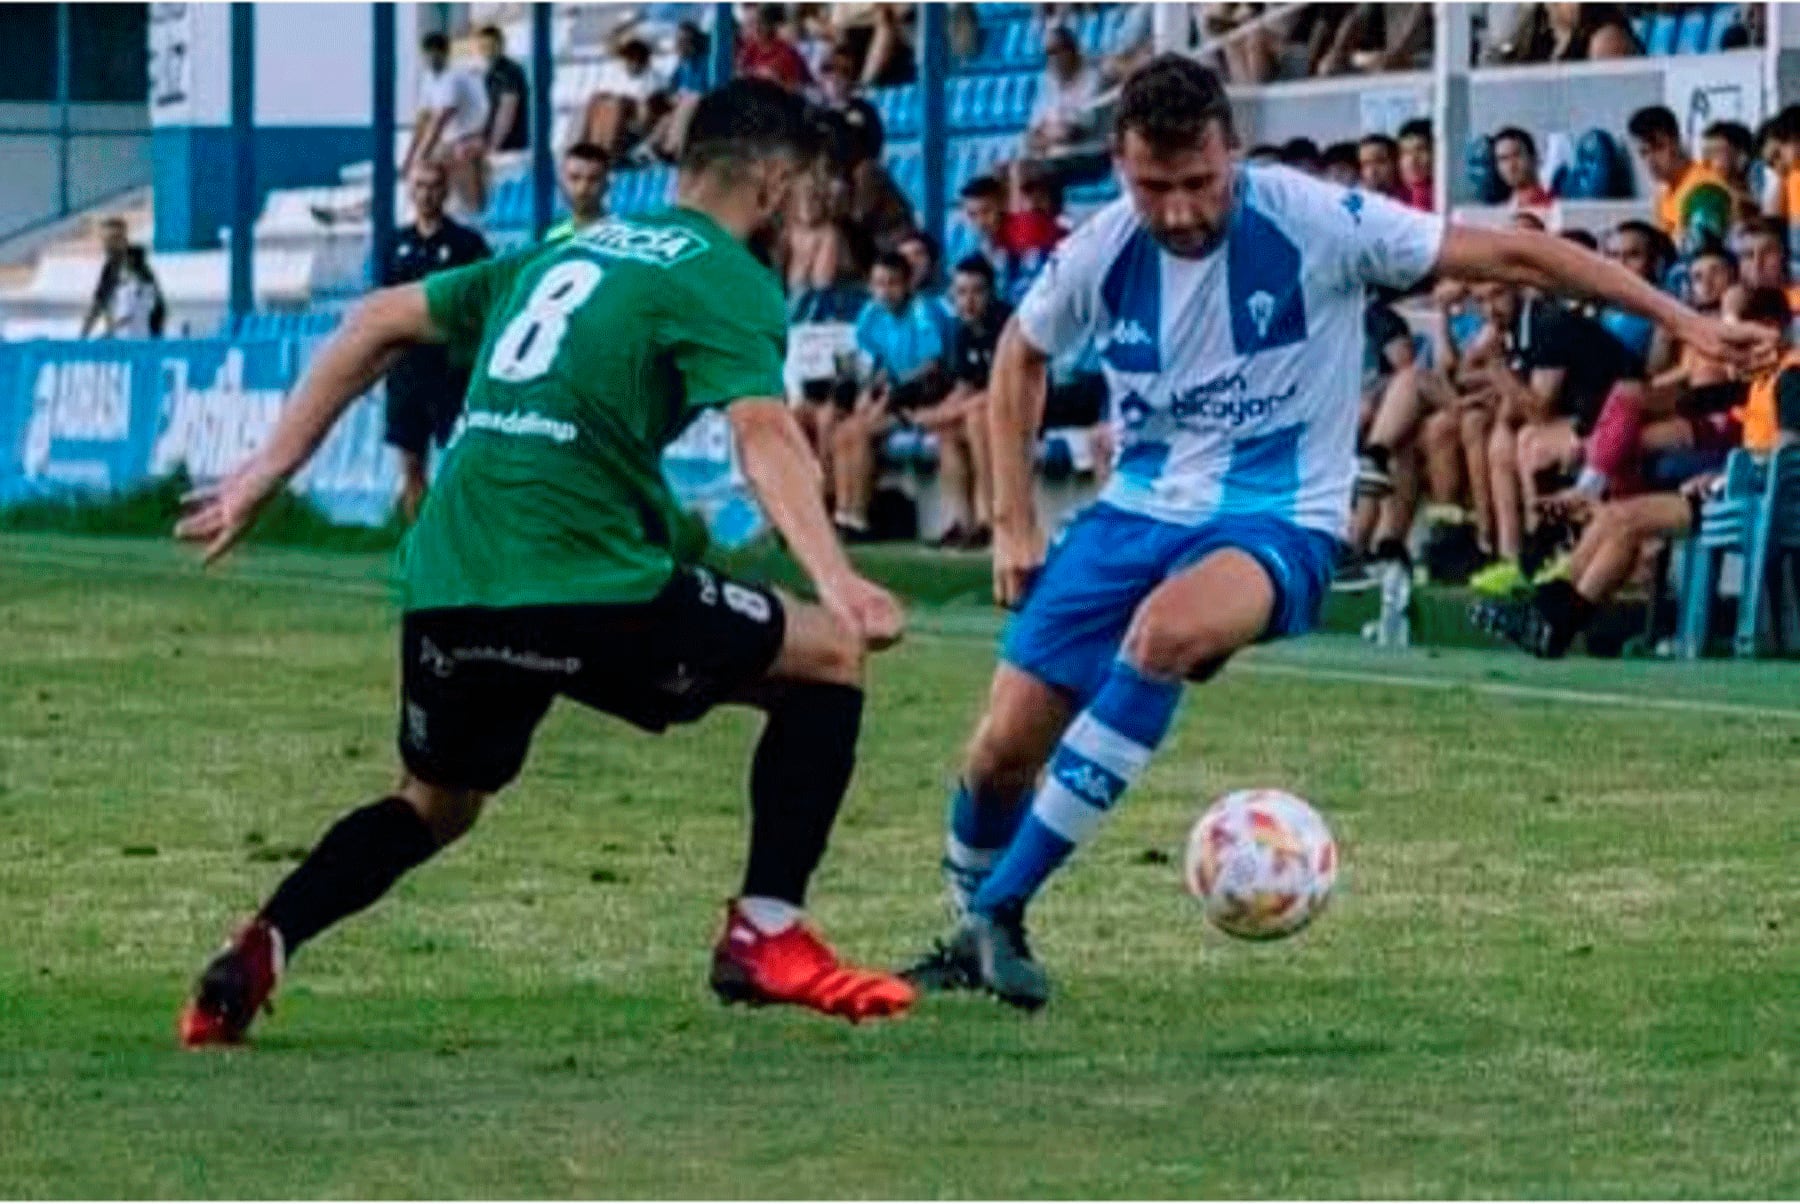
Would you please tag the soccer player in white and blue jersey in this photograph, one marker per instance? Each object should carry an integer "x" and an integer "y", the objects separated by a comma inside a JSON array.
[{"x": 1227, "y": 304}]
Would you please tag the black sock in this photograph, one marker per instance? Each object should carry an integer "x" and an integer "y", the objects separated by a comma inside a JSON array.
[
  {"x": 797, "y": 781},
  {"x": 362, "y": 855},
  {"x": 1563, "y": 606},
  {"x": 1378, "y": 456}
]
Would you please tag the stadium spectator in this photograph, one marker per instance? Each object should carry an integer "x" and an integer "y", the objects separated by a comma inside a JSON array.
[
  {"x": 1063, "y": 119},
  {"x": 1416, "y": 166},
  {"x": 1251, "y": 50},
  {"x": 585, "y": 173},
  {"x": 1035, "y": 226},
  {"x": 1302, "y": 154},
  {"x": 630, "y": 98},
  {"x": 875, "y": 207},
  {"x": 1566, "y": 33},
  {"x": 889, "y": 60},
  {"x": 984, "y": 210},
  {"x": 1387, "y": 476},
  {"x": 838, "y": 81},
  {"x": 508, "y": 95},
  {"x": 128, "y": 301},
  {"x": 1341, "y": 163},
  {"x": 1692, "y": 202},
  {"x": 1378, "y": 164},
  {"x": 1612, "y": 545},
  {"x": 424, "y": 389},
  {"x": 814, "y": 254},
  {"x": 1369, "y": 37},
  {"x": 1134, "y": 46},
  {"x": 960, "y": 420},
  {"x": 905, "y": 350},
  {"x": 1728, "y": 148},
  {"x": 450, "y": 125},
  {"x": 1516, "y": 163},
  {"x": 765, "y": 54},
  {"x": 687, "y": 84},
  {"x": 920, "y": 251},
  {"x": 1762, "y": 263}
]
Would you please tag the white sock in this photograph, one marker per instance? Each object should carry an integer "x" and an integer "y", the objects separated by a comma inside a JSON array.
[
  {"x": 769, "y": 916},
  {"x": 1591, "y": 482}
]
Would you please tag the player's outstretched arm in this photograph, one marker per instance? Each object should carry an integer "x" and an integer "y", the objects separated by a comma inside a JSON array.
[
  {"x": 785, "y": 477},
  {"x": 353, "y": 359},
  {"x": 1015, "y": 408},
  {"x": 1544, "y": 261}
]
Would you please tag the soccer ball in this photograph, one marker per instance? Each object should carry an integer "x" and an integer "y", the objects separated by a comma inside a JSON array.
[{"x": 1262, "y": 863}]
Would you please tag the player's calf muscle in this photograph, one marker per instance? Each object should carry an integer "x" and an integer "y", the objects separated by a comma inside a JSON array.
[{"x": 817, "y": 648}]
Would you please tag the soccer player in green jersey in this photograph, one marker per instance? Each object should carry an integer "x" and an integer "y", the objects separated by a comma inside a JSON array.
[{"x": 551, "y": 560}]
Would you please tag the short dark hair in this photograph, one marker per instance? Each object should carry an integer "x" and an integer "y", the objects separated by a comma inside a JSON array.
[
  {"x": 976, "y": 265},
  {"x": 1299, "y": 152},
  {"x": 1418, "y": 127},
  {"x": 748, "y": 120},
  {"x": 1343, "y": 153},
  {"x": 1662, "y": 247},
  {"x": 589, "y": 152},
  {"x": 1785, "y": 125},
  {"x": 923, "y": 239},
  {"x": 492, "y": 31},
  {"x": 1382, "y": 140},
  {"x": 1515, "y": 134},
  {"x": 1768, "y": 306},
  {"x": 1735, "y": 133},
  {"x": 893, "y": 261},
  {"x": 635, "y": 49},
  {"x": 1712, "y": 248},
  {"x": 1654, "y": 123},
  {"x": 434, "y": 43},
  {"x": 1264, "y": 150},
  {"x": 1170, "y": 101},
  {"x": 1582, "y": 238},
  {"x": 983, "y": 188},
  {"x": 1762, "y": 226},
  {"x": 1061, "y": 37}
]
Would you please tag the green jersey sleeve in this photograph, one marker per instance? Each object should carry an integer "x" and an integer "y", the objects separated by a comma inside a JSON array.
[
  {"x": 729, "y": 338},
  {"x": 461, "y": 300}
]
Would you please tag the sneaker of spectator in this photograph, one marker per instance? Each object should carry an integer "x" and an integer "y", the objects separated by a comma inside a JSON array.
[
  {"x": 1063, "y": 120},
  {"x": 1416, "y": 165},
  {"x": 1378, "y": 164},
  {"x": 905, "y": 350},
  {"x": 764, "y": 53},
  {"x": 1341, "y": 164},
  {"x": 450, "y": 125},
  {"x": 1516, "y": 163},
  {"x": 508, "y": 95},
  {"x": 629, "y": 99},
  {"x": 1693, "y": 203},
  {"x": 584, "y": 174}
]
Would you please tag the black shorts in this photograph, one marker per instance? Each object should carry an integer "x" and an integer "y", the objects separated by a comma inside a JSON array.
[
  {"x": 424, "y": 400},
  {"x": 476, "y": 681}
]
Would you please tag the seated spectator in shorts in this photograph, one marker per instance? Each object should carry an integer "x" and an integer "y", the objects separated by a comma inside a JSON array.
[
  {"x": 1613, "y": 543},
  {"x": 1387, "y": 486},
  {"x": 814, "y": 256},
  {"x": 631, "y": 97},
  {"x": 1554, "y": 375},
  {"x": 765, "y": 54},
  {"x": 1378, "y": 165},
  {"x": 960, "y": 420},
  {"x": 508, "y": 95},
  {"x": 905, "y": 350},
  {"x": 1693, "y": 203},
  {"x": 687, "y": 83},
  {"x": 1373, "y": 37},
  {"x": 450, "y": 125},
  {"x": 1728, "y": 148},
  {"x": 1416, "y": 171},
  {"x": 1341, "y": 164},
  {"x": 1063, "y": 119},
  {"x": 584, "y": 174},
  {"x": 1516, "y": 163},
  {"x": 1452, "y": 440}
]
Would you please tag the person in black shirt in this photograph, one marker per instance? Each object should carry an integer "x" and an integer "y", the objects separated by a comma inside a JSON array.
[
  {"x": 424, "y": 388},
  {"x": 508, "y": 93},
  {"x": 960, "y": 419}
]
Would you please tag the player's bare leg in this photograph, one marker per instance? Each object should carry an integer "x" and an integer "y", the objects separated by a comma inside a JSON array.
[
  {"x": 768, "y": 953},
  {"x": 413, "y": 484},
  {"x": 356, "y": 862}
]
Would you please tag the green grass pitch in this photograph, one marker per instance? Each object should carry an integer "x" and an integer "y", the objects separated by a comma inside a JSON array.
[{"x": 1562, "y": 961}]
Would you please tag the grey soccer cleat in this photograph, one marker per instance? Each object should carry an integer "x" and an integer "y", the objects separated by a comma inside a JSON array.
[{"x": 997, "y": 948}]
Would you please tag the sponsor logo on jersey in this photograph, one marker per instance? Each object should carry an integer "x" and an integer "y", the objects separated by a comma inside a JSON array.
[
  {"x": 1128, "y": 332},
  {"x": 658, "y": 246},
  {"x": 1225, "y": 400}
]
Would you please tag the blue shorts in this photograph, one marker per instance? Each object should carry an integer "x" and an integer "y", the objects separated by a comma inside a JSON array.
[{"x": 1108, "y": 560}]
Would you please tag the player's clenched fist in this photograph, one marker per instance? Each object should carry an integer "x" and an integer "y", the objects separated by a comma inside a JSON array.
[
  {"x": 1018, "y": 555},
  {"x": 866, "y": 609}
]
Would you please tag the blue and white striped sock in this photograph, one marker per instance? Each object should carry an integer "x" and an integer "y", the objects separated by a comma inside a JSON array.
[
  {"x": 1101, "y": 754},
  {"x": 977, "y": 830}
]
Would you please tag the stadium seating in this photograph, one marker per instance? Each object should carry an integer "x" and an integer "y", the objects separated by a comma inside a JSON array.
[{"x": 1757, "y": 516}]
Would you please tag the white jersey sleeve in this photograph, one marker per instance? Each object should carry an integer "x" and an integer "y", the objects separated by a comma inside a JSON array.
[
  {"x": 1387, "y": 243},
  {"x": 1062, "y": 311}
]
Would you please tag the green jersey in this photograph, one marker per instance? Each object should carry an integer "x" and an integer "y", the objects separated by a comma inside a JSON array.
[{"x": 590, "y": 356}]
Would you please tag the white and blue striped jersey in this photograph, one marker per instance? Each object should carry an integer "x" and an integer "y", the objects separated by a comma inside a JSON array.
[{"x": 1235, "y": 377}]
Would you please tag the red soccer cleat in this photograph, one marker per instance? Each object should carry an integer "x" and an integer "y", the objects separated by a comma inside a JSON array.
[
  {"x": 233, "y": 988},
  {"x": 795, "y": 966}
]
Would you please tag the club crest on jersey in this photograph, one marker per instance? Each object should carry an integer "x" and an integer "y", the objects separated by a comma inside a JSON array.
[{"x": 1262, "y": 311}]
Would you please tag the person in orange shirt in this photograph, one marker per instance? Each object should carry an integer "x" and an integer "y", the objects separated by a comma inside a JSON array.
[
  {"x": 1693, "y": 202},
  {"x": 1613, "y": 542}
]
